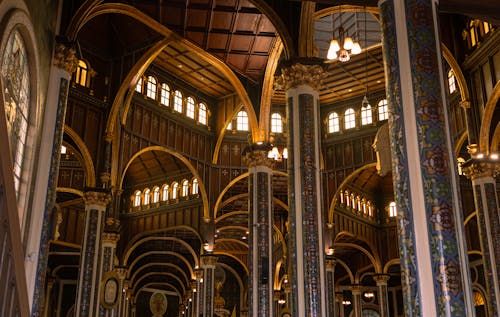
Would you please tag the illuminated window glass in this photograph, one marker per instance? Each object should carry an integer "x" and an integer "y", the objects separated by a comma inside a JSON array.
[
  {"x": 185, "y": 188},
  {"x": 147, "y": 192},
  {"x": 151, "y": 87},
  {"x": 202, "y": 114},
  {"x": 138, "y": 87},
  {"x": 156, "y": 194},
  {"x": 229, "y": 125},
  {"x": 164, "y": 194},
  {"x": 349, "y": 119},
  {"x": 392, "y": 209},
  {"x": 242, "y": 121},
  {"x": 472, "y": 34},
  {"x": 366, "y": 115},
  {"x": 175, "y": 189},
  {"x": 137, "y": 198},
  {"x": 333, "y": 122},
  {"x": 165, "y": 95},
  {"x": 178, "y": 101},
  {"x": 383, "y": 111},
  {"x": 194, "y": 189},
  {"x": 81, "y": 74},
  {"x": 276, "y": 123},
  {"x": 15, "y": 78},
  {"x": 452, "y": 82},
  {"x": 190, "y": 108}
]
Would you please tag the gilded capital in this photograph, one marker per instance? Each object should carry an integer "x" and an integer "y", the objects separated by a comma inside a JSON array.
[
  {"x": 466, "y": 104},
  {"x": 381, "y": 279},
  {"x": 299, "y": 74},
  {"x": 110, "y": 237},
  {"x": 356, "y": 289},
  {"x": 122, "y": 274},
  {"x": 480, "y": 169},
  {"x": 99, "y": 198},
  {"x": 330, "y": 264},
  {"x": 208, "y": 261},
  {"x": 259, "y": 157},
  {"x": 65, "y": 57}
]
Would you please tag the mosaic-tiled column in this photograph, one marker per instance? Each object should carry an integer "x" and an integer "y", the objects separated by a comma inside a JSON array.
[
  {"x": 434, "y": 263},
  {"x": 306, "y": 252},
  {"x": 198, "y": 308},
  {"x": 383, "y": 299},
  {"x": 89, "y": 277},
  {"x": 64, "y": 64},
  {"x": 261, "y": 225},
  {"x": 194, "y": 297},
  {"x": 208, "y": 263},
  {"x": 330, "y": 284},
  {"x": 486, "y": 202},
  {"x": 110, "y": 239},
  {"x": 357, "y": 304}
]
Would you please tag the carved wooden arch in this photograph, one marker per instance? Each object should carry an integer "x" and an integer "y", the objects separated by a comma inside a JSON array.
[
  {"x": 277, "y": 280},
  {"x": 377, "y": 263},
  {"x": 347, "y": 8},
  {"x": 484, "y": 132},
  {"x": 88, "y": 164},
  {"x": 341, "y": 186},
  {"x": 347, "y": 269},
  {"x": 138, "y": 15},
  {"x": 170, "y": 286},
  {"x": 136, "y": 283},
  {"x": 395, "y": 261},
  {"x": 243, "y": 265},
  {"x": 163, "y": 264},
  {"x": 69, "y": 190},
  {"x": 230, "y": 214},
  {"x": 146, "y": 254},
  {"x": 236, "y": 276},
  {"x": 184, "y": 160}
]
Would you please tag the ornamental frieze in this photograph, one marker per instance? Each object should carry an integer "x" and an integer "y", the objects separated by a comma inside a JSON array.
[{"x": 299, "y": 74}]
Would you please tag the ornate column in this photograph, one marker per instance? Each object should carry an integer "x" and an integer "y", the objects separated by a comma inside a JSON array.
[
  {"x": 110, "y": 239},
  {"x": 486, "y": 201},
  {"x": 383, "y": 299},
  {"x": 306, "y": 252},
  {"x": 340, "y": 306},
  {"x": 64, "y": 64},
  {"x": 89, "y": 278},
  {"x": 330, "y": 283},
  {"x": 122, "y": 276},
  {"x": 434, "y": 262},
  {"x": 261, "y": 225},
  {"x": 207, "y": 263},
  {"x": 357, "y": 305},
  {"x": 199, "y": 292}
]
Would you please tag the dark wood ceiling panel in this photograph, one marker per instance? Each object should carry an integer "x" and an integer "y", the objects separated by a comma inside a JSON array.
[
  {"x": 222, "y": 20},
  {"x": 247, "y": 22},
  {"x": 241, "y": 43},
  {"x": 217, "y": 41},
  {"x": 197, "y": 18}
]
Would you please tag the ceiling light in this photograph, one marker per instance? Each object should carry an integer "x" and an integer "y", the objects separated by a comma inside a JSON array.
[{"x": 342, "y": 46}]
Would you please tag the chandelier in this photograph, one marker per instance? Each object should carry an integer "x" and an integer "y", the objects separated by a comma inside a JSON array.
[{"x": 335, "y": 50}]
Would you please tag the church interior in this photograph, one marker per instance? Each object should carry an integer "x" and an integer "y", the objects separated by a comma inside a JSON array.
[{"x": 239, "y": 158}]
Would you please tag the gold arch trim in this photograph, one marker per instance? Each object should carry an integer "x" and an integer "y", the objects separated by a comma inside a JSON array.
[
  {"x": 231, "y": 183},
  {"x": 146, "y": 254},
  {"x": 161, "y": 274},
  {"x": 373, "y": 249},
  {"x": 375, "y": 263},
  {"x": 233, "y": 257},
  {"x": 178, "y": 268},
  {"x": 184, "y": 160},
  {"x": 88, "y": 164},
  {"x": 484, "y": 137},
  {"x": 462, "y": 83},
  {"x": 69, "y": 190},
  {"x": 347, "y": 8},
  {"x": 230, "y": 214}
]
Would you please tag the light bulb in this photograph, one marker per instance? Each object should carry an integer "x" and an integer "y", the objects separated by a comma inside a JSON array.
[
  {"x": 332, "y": 54},
  {"x": 344, "y": 55},
  {"x": 356, "y": 49},
  {"x": 348, "y": 43}
]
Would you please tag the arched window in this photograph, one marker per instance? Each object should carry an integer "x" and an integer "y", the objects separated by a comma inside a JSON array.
[
  {"x": 452, "y": 81},
  {"x": 349, "y": 119},
  {"x": 138, "y": 87},
  {"x": 165, "y": 95},
  {"x": 178, "y": 101},
  {"x": 242, "y": 121},
  {"x": 194, "y": 189},
  {"x": 472, "y": 34},
  {"x": 82, "y": 74},
  {"x": 156, "y": 194},
  {"x": 16, "y": 85},
  {"x": 151, "y": 87},
  {"x": 137, "y": 198},
  {"x": 276, "y": 123},
  {"x": 366, "y": 115},
  {"x": 175, "y": 190},
  {"x": 333, "y": 122},
  {"x": 383, "y": 111},
  {"x": 164, "y": 192},
  {"x": 202, "y": 113},
  {"x": 392, "y": 209},
  {"x": 190, "y": 108},
  {"x": 185, "y": 188},
  {"x": 147, "y": 193}
]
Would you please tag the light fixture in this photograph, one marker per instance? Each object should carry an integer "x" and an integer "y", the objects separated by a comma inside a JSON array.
[
  {"x": 369, "y": 294},
  {"x": 335, "y": 50},
  {"x": 281, "y": 301},
  {"x": 275, "y": 154},
  {"x": 346, "y": 302},
  {"x": 365, "y": 103}
]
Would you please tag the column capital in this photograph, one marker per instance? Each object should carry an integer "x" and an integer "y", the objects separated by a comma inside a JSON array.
[
  {"x": 476, "y": 169},
  {"x": 65, "y": 57},
  {"x": 121, "y": 272},
  {"x": 110, "y": 237},
  {"x": 256, "y": 155},
  {"x": 96, "y": 196},
  {"x": 208, "y": 261},
  {"x": 112, "y": 224},
  {"x": 198, "y": 274},
  {"x": 301, "y": 74},
  {"x": 465, "y": 104},
  {"x": 356, "y": 289},
  {"x": 381, "y": 279},
  {"x": 330, "y": 263}
]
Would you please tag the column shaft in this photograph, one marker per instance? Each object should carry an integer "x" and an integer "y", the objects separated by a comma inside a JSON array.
[
  {"x": 330, "y": 282},
  {"x": 208, "y": 262},
  {"x": 432, "y": 241},
  {"x": 383, "y": 298},
  {"x": 357, "y": 305}
]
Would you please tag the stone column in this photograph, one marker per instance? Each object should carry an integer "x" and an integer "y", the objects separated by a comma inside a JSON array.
[
  {"x": 261, "y": 225},
  {"x": 89, "y": 277},
  {"x": 488, "y": 218},
  {"x": 434, "y": 262},
  {"x": 122, "y": 276},
  {"x": 357, "y": 305},
  {"x": 199, "y": 292},
  {"x": 64, "y": 64},
  {"x": 208, "y": 263},
  {"x": 330, "y": 283},
  {"x": 306, "y": 252},
  {"x": 340, "y": 306},
  {"x": 383, "y": 299},
  {"x": 109, "y": 241}
]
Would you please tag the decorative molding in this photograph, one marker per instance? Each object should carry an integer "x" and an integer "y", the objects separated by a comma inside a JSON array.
[
  {"x": 65, "y": 57},
  {"x": 96, "y": 198},
  {"x": 208, "y": 261},
  {"x": 254, "y": 158},
  {"x": 381, "y": 279},
  {"x": 477, "y": 169},
  {"x": 299, "y": 74}
]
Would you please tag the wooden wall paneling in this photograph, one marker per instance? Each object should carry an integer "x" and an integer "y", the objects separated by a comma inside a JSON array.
[
  {"x": 163, "y": 220},
  {"x": 339, "y": 157},
  {"x": 92, "y": 133},
  {"x": 146, "y": 123},
  {"x": 148, "y": 223},
  {"x": 357, "y": 152},
  {"x": 163, "y": 134},
  {"x": 171, "y": 219},
  {"x": 171, "y": 134},
  {"x": 137, "y": 124},
  {"x": 154, "y": 127},
  {"x": 348, "y": 152},
  {"x": 186, "y": 146},
  {"x": 179, "y": 218}
]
